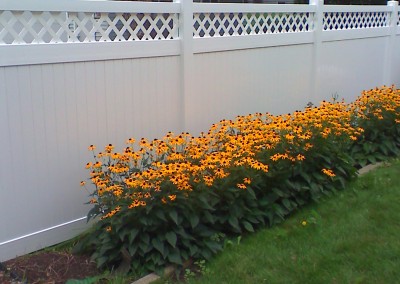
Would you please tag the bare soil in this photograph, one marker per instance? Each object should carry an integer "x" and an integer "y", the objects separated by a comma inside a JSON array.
[{"x": 47, "y": 268}]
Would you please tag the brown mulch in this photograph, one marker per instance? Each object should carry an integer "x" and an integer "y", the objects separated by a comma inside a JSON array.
[{"x": 47, "y": 268}]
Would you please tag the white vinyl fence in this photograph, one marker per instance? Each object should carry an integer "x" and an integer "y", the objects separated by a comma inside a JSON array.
[{"x": 75, "y": 73}]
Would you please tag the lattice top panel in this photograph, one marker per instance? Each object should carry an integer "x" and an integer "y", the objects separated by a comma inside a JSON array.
[
  {"x": 231, "y": 24},
  {"x": 355, "y": 20},
  {"x": 59, "y": 27},
  {"x": 398, "y": 18}
]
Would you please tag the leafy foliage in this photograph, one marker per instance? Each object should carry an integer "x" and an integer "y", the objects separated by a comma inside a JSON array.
[{"x": 170, "y": 200}]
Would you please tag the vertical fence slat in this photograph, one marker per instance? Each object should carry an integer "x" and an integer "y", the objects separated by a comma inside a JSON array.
[
  {"x": 186, "y": 53},
  {"x": 317, "y": 24},
  {"x": 388, "y": 71}
]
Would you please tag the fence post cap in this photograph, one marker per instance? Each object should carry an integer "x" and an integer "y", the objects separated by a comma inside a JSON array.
[{"x": 393, "y": 3}]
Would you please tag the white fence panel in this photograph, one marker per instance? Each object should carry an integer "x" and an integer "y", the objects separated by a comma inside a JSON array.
[
  {"x": 75, "y": 73},
  {"x": 230, "y": 83},
  {"x": 339, "y": 69},
  {"x": 51, "y": 113}
]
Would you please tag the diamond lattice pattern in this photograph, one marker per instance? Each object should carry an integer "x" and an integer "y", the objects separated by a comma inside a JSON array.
[
  {"x": 398, "y": 19},
  {"x": 354, "y": 20},
  {"x": 55, "y": 27},
  {"x": 230, "y": 24}
]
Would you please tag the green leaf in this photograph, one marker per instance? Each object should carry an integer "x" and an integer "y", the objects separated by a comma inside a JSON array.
[
  {"x": 143, "y": 221},
  {"x": 291, "y": 185},
  {"x": 248, "y": 226},
  {"x": 250, "y": 191},
  {"x": 180, "y": 231},
  {"x": 233, "y": 221},
  {"x": 158, "y": 245},
  {"x": 171, "y": 238},
  {"x": 267, "y": 200},
  {"x": 213, "y": 246},
  {"x": 325, "y": 158},
  {"x": 315, "y": 188},
  {"x": 279, "y": 192},
  {"x": 205, "y": 253},
  {"x": 320, "y": 177},
  {"x": 367, "y": 147},
  {"x": 144, "y": 237},
  {"x": 305, "y": 176},
  {"x": 160, "y": 214},
  {"x": 204, "y": 231},
  {"x": 287, "y": 204},
  {"x": 193, "y": 249},
  {"x": 342, "y": 170},
  {"x": 145, "y": 247},
  {"x": 279, "y": 211},
  {"x": 95, "y": 211},
  {"x": 208, "y": 217},
  {"x": 132, "y": 249},
  {"x": 101, "y": 261},
  {"x": 174, "y": 216},
  {"x": 174, "y": 257},
  {"x": 371, "y": 159},
  {"x": 342, "y": 182},
  {"x": 384, "y": 148},
  {"x": 204, "y": 203},
  {"x": 194, "y": 220}
]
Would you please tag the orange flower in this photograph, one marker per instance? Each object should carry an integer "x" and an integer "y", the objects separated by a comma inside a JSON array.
[
  {"x": 247, "y": 180},
  {"x": 241, "y": 185},
  {"x": 130, "y": 141},
  {"x": 328, "y": 172},
  {"x": 109, "y": 148},
  {"x": 97, "y": 165},
  {"x": 300, "y": 157}
]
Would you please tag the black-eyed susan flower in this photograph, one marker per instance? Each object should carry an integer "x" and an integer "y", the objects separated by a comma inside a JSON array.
[
  {"x": 247, "y": 180},
  {"x": 97, "y": 165},
  {"x": 328, "y": 172},
  {"x": 130, "y": 141},
  {"x": 241, "y": 186},
  {"x": 300, "y": 157},
  {"x": 109, "y": 148}
]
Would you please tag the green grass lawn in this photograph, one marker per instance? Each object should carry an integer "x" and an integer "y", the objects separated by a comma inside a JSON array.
[{"x": 352, "y": 237}]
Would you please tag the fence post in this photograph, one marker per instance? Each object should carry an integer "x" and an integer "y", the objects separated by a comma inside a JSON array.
[
  {"x": 317, "y": 29},
  {"x": 186, "y": 57},
  {"x": 390, "y": 44}
]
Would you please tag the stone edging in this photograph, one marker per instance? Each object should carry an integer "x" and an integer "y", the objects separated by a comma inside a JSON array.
[
  {"x": 369, "y": 168},
  {"x": 153, "y": 277}
]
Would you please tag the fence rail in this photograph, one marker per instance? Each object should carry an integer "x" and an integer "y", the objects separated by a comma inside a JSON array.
[
  {"x": 30, "y": 23},
  {"x": 75, "y": 73}
]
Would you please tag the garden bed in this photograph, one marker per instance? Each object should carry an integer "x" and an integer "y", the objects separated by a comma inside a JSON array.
[
  {"x": 169, "y": 200},
  {"x": 47, "y": 267}
]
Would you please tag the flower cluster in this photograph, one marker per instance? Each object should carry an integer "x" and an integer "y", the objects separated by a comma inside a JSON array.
[
  {"x": 164, "y": 201},
  {"x": 156, "y": 171},
  {"x": 375, "y": 103}
]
